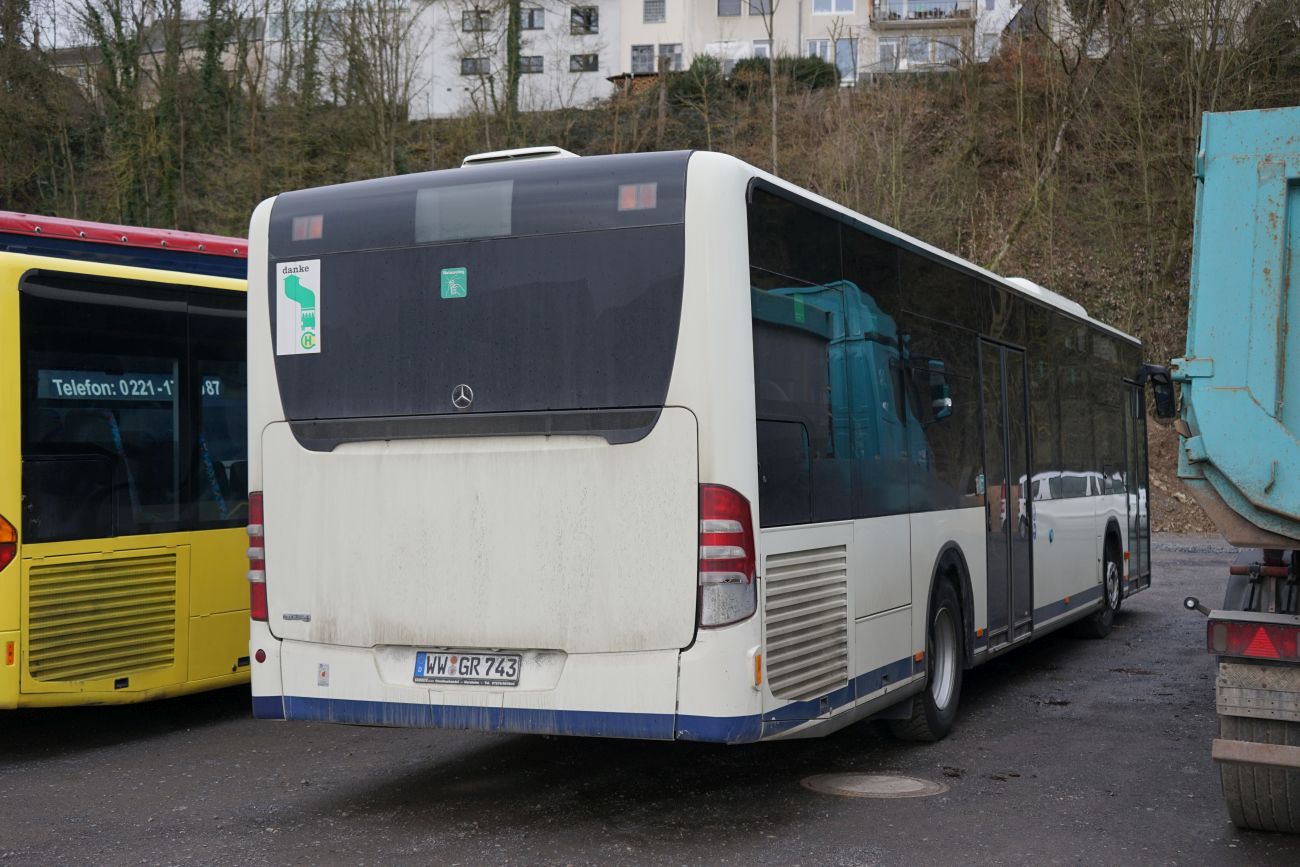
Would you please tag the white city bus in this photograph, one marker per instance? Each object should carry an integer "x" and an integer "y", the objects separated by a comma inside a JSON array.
[{"x": 661, "y": 446}]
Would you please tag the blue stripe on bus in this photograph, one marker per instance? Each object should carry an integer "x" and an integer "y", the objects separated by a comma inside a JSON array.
[
  {"x": 1077, "y": 600},
  {"x": 646, "y": 726},
  {"x": 519, "y": 720},
  {"x": 268, "y": 707}
]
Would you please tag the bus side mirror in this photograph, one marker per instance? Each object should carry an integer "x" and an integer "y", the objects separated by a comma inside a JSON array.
[
  {"x": 1162, "y": 387},
  {"x": 940, "y": 394}
]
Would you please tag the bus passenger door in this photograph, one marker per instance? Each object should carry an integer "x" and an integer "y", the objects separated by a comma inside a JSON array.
[
  {"x": 1007, "y": 493},
  {"x": 1138, "y": 568}
]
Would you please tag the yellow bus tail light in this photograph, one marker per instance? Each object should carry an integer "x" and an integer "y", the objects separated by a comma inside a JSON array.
[{"x": 8, "y": 543}]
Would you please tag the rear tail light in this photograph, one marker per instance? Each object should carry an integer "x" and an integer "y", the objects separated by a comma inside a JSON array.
[
  {"x": 1253, "y": 640},
  {"x": 728, "y": 590},
  {"x": 8, "y": 542},
  {"x": 256, "y": 559}
]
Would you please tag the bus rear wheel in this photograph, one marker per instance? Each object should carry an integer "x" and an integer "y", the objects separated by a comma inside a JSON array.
[
  {"x": 1100, "y": 624},
  {"x": 935, "y": 707}
]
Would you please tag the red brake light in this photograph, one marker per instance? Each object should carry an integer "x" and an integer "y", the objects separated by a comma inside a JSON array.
[
  {"x": 8, "y": 543},
  {"x": 257, "y": 608},
  {"x": 727, "y": 557},
  {"x": 1254, "y": 640}
]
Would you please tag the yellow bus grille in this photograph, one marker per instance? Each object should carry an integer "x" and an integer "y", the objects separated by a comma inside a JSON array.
[{"x": 101, "y": 618}]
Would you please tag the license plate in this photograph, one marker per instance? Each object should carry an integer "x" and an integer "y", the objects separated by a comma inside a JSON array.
[{"x": 472, "y": 669}]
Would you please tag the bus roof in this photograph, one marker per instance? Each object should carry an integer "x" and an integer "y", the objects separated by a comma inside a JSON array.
[{"x": 168, "y": 249}]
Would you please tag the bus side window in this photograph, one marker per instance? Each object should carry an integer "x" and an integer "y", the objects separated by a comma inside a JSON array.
[{"x": 784, "y": 473}]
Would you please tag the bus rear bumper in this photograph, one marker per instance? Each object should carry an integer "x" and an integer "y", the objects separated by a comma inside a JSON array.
[{"x": 622, "y": 695}]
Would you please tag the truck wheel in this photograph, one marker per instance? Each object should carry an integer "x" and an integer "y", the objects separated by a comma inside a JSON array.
[
  {"x": 1112, "y": 592},
  {"x": 935, "y": 708},
  {"x": 1261, "y": 798}
]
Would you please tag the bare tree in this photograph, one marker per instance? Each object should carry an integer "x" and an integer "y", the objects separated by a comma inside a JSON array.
[
  {"x": 768, "y": 9},
  {"x": 382, "y": 42}
]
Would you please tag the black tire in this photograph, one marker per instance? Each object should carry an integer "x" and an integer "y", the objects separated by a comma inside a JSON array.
[
  {"x": 1261, "y": 798},
  {"x": 1100, "y": 623},
  {"x": 935, "y": 707}
]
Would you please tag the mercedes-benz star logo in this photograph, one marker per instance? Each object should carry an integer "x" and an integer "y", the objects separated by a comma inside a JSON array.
[{"x": 462, "y": 396}]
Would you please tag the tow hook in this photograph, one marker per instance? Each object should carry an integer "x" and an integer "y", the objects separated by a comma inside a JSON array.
[{"x": 1191, "y": 603}]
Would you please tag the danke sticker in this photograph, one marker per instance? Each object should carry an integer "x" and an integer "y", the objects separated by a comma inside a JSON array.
[{"x": 297, "y": 310}]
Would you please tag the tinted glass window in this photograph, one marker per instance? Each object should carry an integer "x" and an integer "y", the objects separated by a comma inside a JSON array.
[
  {"x": 528, "y": 197},
  {"x": 545, "y": 287},
  {"x": 945, "y": 399},
  {"x": 1075, "y": 399},
  {"x": 799, "y": 384},
  {"x": 127, "y": 418},
  {"x": 1044, "y": 414},
  {"x": 1006, "y": 320},
  {"x": 878, "y": 412},
  {"x": 788, "y": 239},
  {"x": 939, "y": 291},
  {"x": 584, "y": 320}
]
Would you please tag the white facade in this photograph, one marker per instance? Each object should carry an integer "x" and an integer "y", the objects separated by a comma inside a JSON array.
[
  {"x": 567, "y": 55},
  {"x": 453, "y": 55}
]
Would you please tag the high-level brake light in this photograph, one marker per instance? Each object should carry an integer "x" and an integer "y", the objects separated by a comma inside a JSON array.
[
  {"x": 8, "y": 543},
  {"x": 256, "y": 559},
  {"x": 728, "y": 590},
  {"x": 1253, "y": 640}
]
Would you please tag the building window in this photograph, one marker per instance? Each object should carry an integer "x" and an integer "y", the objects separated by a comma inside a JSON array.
[
  {"x": 762, "y": 48},
  {"x": 475, "y": 20},
  {"x": 820, "y": 48},
  {"x": 728, "y": 8},
  {"x": 846, "y": 58},
  {"x": 947, "y": 51},
  {"x": 584, "y": 63},
  {"x": 889, "y": 54},
  {"x": 832, "y": 7},
  {"x": 760, "y": 7},
  {"x": 532, "y": 19},
  {"x": 653, "y": 11},
  {"x": 530, "y": 64},
  {"x": 584, "y": 20},
  {"x": 673, "y": 51},
  {"x": 643, "y": 59},
  {"x": 475, "y": 66}
]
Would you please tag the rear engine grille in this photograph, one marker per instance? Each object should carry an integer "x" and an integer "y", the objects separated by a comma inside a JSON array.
[
  {"x": 101, "y": 618},
  {"x": 806, "y": 619}
]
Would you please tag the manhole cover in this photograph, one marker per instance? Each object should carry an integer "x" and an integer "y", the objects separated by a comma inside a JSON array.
[{"x": 873, "y": 786}]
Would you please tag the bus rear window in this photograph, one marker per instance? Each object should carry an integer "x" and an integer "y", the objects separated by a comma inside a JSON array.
[
  {"x": 493, "y": 289},
  {"x": 578, "y": 321}
]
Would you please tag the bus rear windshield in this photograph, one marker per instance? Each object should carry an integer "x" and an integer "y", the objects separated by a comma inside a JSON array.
[{"x": 479, "y": 299}]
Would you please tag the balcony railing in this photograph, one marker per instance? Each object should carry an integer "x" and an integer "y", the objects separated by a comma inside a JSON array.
[{"x": 912, "y": 11}]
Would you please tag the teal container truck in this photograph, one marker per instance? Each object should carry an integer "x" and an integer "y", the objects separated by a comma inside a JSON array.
[{"x": 1239, "y": 430}]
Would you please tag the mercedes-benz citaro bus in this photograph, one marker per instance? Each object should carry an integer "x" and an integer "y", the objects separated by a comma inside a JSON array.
[
  {"x": 123, "y": 462},
  {"x": 661, "y": 446}
]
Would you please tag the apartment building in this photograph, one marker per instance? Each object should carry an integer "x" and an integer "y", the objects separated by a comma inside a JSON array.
[
  {"x": 861, "y": 37},
  {"x": 569, "y": 51},
  {"x": 448, "y": 57}
]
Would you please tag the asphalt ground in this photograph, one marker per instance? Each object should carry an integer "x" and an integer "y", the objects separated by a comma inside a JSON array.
[{"x": 1066, "y": 752}]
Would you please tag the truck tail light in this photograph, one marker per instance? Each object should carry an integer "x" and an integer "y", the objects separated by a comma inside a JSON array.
[
  {"x": 1253, "y": 640},
  {"x": 8, "y": 543},
  {"x": 728, "y": 589},
  {"x": 256, "y": 559}
]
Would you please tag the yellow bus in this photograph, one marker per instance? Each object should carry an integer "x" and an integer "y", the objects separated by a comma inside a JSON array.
[{"x": 123, "y": 463}]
